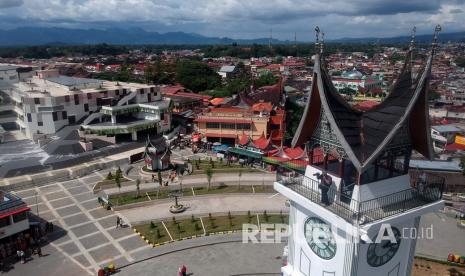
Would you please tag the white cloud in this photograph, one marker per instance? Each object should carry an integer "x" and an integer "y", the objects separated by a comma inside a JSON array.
[{"x": 245, "y": 18}]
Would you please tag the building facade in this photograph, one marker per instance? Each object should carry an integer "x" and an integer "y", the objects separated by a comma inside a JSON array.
[{"x": 47, "y": 102}]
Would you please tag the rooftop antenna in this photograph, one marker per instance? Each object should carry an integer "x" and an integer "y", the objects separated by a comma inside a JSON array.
[
  {"x": 412, "y": 47},
  {"x": 435, "y": 37},
  {"x": 295, "y": 39},
  {"x": 317, "y": 38},
  {"x": 322, "y": 44}
]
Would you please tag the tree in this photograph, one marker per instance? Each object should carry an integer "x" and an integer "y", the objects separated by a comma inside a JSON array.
[
  {"x": 118, "y": 184},
  {"x": 209, "y": 174},
  {"x": 160, "y": 180},
  {"x": 180, "y": 175},
  {"x": 265, "y": 80},
  {"x": 138, "y": 187},
  {"x": 148, "y": 74},
  {"x": 197, "y": 76}
]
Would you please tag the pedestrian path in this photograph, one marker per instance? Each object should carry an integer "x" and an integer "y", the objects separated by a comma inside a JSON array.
[{"x": 202, "y": 205}]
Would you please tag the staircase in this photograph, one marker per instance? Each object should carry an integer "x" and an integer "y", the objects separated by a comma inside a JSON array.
[
  {"x": 127, "y": 98},
  {"x": 121, "y": 102}
]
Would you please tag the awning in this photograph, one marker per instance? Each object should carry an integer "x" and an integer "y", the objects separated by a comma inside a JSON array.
[
  {"x": 220, "y": 135},
  {"x": 245, "y": 152},
  {"x": 24, "y": 209}
]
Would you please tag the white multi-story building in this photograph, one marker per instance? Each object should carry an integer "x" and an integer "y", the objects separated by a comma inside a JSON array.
[{"x": 47, "y": 102}]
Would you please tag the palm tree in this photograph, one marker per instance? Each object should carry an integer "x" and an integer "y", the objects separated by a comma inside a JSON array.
[
  {"x": 138, "y": 187},
  {"x": 180, "y": 175},
  {"x": 118, "y": 184},
  {"x": 209, "y": 173}
]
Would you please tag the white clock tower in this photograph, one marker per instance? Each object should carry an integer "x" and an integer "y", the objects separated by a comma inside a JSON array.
[{"x": 354, "y": 208}]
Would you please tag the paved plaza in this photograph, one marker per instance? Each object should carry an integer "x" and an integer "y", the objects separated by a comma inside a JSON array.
[
  {"x": 85, "y": 236},
  {"x": 86, "y": 233}
]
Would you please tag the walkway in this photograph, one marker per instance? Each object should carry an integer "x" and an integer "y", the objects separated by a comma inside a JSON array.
[{"x": 202, "y": 205}]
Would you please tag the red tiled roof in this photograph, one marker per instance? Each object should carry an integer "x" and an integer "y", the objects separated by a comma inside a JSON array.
[
  {"x": 294, "y": 153},
  {"x": 455, "y": 146},
  {"x": 244, "y": 139},
  {"x": 261, "y": 143},
  {"x": 216, "y": 101},
  {"x": 258, "y": 107},
  {"x": 277, "y": 119}
]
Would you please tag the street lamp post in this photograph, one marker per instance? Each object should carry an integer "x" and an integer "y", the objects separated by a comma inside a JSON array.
[{"x": 37, "y": 205}]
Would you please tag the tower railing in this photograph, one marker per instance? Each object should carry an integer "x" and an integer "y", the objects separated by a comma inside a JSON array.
[{"x": 424, "y": 191}]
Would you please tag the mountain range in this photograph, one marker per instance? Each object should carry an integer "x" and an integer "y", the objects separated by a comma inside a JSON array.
[{"x": 26, "y": 36}]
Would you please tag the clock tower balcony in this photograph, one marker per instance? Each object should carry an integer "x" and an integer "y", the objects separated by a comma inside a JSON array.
[{"x": 420, "y": 191}]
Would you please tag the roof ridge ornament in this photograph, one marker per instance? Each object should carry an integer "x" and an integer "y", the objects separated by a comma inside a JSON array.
[
  {"x": 322, "y": 44},
  {"x": 437, "y": 29},
  {"x": 317, "y": 38}
]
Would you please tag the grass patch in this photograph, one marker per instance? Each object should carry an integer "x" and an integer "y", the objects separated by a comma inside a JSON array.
[
  {"x": 192, "y": 226},
  {"x": 155, "y": 234},
  {"x": 184, "y": 228},
  {"x": 273, "y": 219},
  {"x": 225, "y": 223}
]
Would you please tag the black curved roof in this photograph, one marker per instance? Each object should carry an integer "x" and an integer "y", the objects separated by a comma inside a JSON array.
[{"x": 364, "y": 135}]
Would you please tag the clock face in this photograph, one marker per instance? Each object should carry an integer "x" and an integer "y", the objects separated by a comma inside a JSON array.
[
  {"x": 380, "y": 253},
  {"x": 320, "y": 238}
]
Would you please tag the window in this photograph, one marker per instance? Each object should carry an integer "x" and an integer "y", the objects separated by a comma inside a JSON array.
[
  {"x": 67, "y": 98},
  {"x": 19, "y": 217},
  {"x": 5, "y": 221},
  {"x": 213, "y": 125},
  {"x": 64, "y": 114},
  {"x": 228, "y": 126},
  {"x": 152, "y": 89},
  {"x": 89, "y": 96},
  {"x": 243, "y": 126},
  {"x": 76, "y": 99},
  {"x": 40, "y": 123},
  {"x": 86, "y": 107},
  {"x": 142, "y": 91},
  {"x": 55, "y": 116},
  {"x": 29, "y": 117},
  {"x": 36, "y": 101},
  {"x": 162, "y": 116}
]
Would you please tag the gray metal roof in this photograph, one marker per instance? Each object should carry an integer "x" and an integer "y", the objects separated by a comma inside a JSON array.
[
  {"x": 227, "y": 68},
  {"x": 7, "y": 67},
  {"x": 70, "y": 81},
  {"x": 447, "y": 128},
  {"x": 435, "y": 165}
]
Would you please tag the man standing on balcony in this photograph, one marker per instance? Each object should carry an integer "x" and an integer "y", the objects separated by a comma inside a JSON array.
[{"x": 325, "y": 183}]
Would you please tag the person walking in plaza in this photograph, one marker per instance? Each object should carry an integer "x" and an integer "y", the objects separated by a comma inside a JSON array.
[
  {"x": 182, "y": 271},
  {"x": 117, "y": 221}
]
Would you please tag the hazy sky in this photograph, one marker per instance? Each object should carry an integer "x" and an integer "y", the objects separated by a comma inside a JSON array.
[{"x": 242, "y": 18}]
